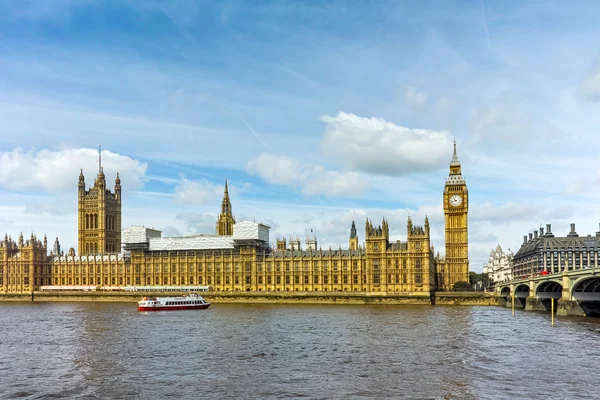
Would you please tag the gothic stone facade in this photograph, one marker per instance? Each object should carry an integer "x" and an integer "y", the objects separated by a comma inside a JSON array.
[{"x": 230, "y": 262}]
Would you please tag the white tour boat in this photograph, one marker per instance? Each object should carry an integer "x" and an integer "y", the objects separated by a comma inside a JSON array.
[{"x": 192, "y": 301}]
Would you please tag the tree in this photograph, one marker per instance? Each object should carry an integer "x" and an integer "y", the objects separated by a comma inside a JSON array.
[
  {"x": 462, "y": 286},
  {"x": 483, "y": 278}
]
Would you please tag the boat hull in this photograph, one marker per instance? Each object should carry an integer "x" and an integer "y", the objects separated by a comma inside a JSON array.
[{"x": 175, "y": 308}]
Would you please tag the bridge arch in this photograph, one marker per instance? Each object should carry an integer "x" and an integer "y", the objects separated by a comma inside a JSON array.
[
  {"x": 505, "y": 292},
  {"x": 522, "y": 291},
  {"x": 586, "y": 289},
  {"x": 549, "y": 289}
]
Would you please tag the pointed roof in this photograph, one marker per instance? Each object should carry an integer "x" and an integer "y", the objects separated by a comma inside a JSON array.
[
  {"x": 455, "y": 160},
  {"x": 226, "y": 203}
]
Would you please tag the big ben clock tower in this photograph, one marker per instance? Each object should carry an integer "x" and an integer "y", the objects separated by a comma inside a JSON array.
[{"x": 456, "y": 209}]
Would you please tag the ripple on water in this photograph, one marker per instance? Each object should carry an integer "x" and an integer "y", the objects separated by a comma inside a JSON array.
[{"x": 109, "y": 350}]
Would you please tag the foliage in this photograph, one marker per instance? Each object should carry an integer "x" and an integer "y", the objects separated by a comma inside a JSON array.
[
  {"x": 483, "y": 278},
  {"x": 462, "y": 286}
]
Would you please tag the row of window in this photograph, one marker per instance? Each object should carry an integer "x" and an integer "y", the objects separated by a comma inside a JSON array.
[{"x": 345, "y": 279}]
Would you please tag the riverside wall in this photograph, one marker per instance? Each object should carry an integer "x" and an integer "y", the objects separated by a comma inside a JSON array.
[{"x": 434, "y": 298}]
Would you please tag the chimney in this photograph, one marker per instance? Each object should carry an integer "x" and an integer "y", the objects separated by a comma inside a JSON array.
[
  {"x": 541, "y": 231},
  {"x": 530, "y": 236},
  {"x": 598, "y": 233},
  {"x": 549, "y": 230},
  {"x": 535, "y": 233},
  {"x": 525, "y": 239},
  {"x": 572, "y": 233}
]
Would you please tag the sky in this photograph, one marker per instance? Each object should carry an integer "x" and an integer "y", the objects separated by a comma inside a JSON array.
[{"x": 317, "y": 114}]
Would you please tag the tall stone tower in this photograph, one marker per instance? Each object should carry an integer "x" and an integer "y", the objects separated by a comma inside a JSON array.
[
  {"x": 456, "y": 210},
  {"x": 226, "y": 220},
  {"x": 353, "y": 242},
  {"x": 99, "y": 215},
  {"x": 377, "y": 238}
]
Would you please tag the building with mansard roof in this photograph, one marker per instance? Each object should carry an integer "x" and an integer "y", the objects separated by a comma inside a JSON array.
[{"x": 542, "y": 252}]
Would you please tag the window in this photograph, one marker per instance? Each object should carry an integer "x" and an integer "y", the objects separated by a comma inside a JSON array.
[{"x": 316, "y": 280}]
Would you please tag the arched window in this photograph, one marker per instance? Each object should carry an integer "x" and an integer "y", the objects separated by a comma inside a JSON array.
[
  {"x": 87, "y": 221},
  {"x": 95, "y": 221}
]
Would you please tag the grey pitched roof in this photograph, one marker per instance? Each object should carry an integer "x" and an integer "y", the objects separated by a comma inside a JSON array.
[{"x": 549, "y": 243}]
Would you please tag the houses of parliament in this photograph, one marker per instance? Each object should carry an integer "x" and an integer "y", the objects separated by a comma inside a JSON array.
[{"x": 238, "y": 257}]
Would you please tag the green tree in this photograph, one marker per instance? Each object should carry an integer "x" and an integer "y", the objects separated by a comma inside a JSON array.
[
  {"x": 483, "y": 278},
  {"x": 462, "y": 286}
]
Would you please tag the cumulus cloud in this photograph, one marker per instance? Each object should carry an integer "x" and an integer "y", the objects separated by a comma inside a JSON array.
[
  {"x": 381, "y": 147},
  {"x": 309, "y": 179},
  {"x": 55, "y": 171},
  {"x": 589, "y": 88},
  {"x": 414, "y": 98}
]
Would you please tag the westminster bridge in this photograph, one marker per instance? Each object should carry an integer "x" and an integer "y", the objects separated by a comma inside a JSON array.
[{"x": 575, "y": 292}]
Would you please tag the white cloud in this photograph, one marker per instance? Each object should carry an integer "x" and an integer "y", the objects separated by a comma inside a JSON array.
[
  {"x": 170, "y": 231},
  {"x": 310, "y": 179},
  {"x": 197, "y": 223},
  {"x": 56, "y": 171},
  {"x": 414, "y": 98},
  {"x": 381, "y": 147},
  {"x": 49, "y": 208},
  {"x": 501, "y": 213},
  {"x": 589, "y": 88},
  {"x": 488, "y": 212},
  {"x": 198, "y": 192}
]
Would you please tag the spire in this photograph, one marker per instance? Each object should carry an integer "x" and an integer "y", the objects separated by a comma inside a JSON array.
[
  {"x": 226, "y": 218},
  {"x": 226, "y": 204},
  {"x": 454, "y": 156},
  {"x": 353, "y": 230},
  {"x": 99, "y": 159},
  {"x": 118, "y": 180}
]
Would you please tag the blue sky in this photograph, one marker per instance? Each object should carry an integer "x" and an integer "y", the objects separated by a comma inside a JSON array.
[{"x": 317, "y": 113}]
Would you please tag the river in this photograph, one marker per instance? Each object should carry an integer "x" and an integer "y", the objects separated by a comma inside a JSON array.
[{"x": 111, "y": 351}]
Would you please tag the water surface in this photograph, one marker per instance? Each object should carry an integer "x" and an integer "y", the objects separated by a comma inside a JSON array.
[{"x": 109, "y": 350}]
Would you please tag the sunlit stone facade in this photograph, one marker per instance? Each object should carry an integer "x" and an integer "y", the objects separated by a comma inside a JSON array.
[
  {"x": 238, "y": 257},
  {"x": 24, "y": 265}
]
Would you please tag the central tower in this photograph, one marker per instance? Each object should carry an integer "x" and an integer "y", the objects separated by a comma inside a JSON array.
[
  {"x": 99, "y": 215},
  {"x": 456, "y": 209}
]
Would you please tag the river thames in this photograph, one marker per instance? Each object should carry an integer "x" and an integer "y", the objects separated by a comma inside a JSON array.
[{"x": 111, "y": 351}]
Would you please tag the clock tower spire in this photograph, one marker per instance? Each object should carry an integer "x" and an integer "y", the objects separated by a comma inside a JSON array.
[{"x": 455, "y": 268}]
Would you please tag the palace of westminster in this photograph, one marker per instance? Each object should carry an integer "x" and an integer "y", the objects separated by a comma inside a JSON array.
[{"x": 239, "y": 257}]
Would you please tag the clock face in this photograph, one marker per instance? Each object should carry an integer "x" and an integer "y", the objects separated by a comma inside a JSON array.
[{"x": 456, "y": 200}]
